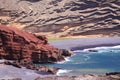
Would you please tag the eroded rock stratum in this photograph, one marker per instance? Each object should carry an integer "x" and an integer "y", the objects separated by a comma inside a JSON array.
[
  {"x": 63, "y": 17},
  {"x": 19, "y": 45}
]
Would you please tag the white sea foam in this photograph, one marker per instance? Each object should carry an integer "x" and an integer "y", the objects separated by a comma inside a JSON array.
[
  {"x": 77, "y": 51},
  {"x": 108, "y": 47},
  {"x": 87, "y": 57},
  {"x": 101, "y": 48},
  {"x": 61, "y": 71},
  {"x": 61, "y": 62},
  {"x": 66, "y": 60},
  {"x": 116, "y": 46},
  {"x": 96, "y": 48}
]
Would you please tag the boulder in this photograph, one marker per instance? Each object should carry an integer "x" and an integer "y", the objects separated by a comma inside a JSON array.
[
  {"x": 92, "y": 50},
  {"x": 113, "y": 73},
  {"x": 15, "y": 64}
]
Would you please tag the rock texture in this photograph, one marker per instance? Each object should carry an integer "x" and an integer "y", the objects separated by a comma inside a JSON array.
[
  {"x": 29, "y": 65},
  {"x": 63, "y": 17},
  {"x": 83, "y": 77},
  {"x": 19, "y": 45}
]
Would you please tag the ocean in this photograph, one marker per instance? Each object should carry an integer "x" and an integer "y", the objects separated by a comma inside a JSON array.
[{"x": 102, "y": 60}]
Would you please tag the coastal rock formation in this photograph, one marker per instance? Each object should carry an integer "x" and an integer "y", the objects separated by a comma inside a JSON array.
[
  {"x": 83, "y": 77},
  {"x": 29, "y": 65},
  {"x": 92, "y": 50},
  {"x": 19, "y": 45},
  {"x": 61, "y": 18}
]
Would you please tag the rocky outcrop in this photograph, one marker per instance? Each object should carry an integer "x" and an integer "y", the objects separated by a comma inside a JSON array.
[
  {"x": 29, "y": 65},
  {"x": 82, "y": 77},
  {"x": 63, "y": 17},
  {"x": 19, "y": 45},
  {"x": 92, "y": 50}
]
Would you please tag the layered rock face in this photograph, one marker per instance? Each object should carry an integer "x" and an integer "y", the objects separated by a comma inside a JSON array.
[
  {"x": 63, "y": 17},
  {"x": 19, "y": 45}
]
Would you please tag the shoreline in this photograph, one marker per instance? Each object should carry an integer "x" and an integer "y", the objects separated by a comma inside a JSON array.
[
  {"x": 71, "y": 44},
  {"x": 93, "y": 46},
  {"x": 99, "y": 72},
  {"x": 83, "y": 43}
]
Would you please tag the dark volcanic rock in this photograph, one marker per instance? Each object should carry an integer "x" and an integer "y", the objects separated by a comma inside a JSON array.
[
  {"x": 29, "y": 65},
  {"x": 19, "y": 45},
  {"x": 67, "y": 17},
  {"x": 15, "y": 64},
  {"x": 113, "y": 73},
  {"x": 93, "y": 50}
]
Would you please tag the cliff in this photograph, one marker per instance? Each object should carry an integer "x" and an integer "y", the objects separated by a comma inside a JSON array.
[
  {"x": 19, "y": 45},
  {"x": 59, "y": 18}
]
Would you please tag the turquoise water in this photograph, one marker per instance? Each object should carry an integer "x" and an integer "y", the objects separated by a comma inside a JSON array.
[{"x": 107, "y": 59}]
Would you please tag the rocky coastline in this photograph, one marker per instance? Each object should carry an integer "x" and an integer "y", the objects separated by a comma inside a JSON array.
[
  {"x": 21, "y": 50},
  {"x": 24, "y": 49},
  {"x": 110, "y": 76},
  {"x": 63, "y": 18}
]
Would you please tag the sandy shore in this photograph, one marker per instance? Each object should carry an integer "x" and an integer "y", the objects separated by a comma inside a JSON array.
[{"x": 81, "y": 43}]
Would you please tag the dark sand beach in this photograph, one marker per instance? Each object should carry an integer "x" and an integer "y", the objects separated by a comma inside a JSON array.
[{"x": 82, "y": 43}]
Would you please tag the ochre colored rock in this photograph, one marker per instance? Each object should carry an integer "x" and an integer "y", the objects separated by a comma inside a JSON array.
[{"x": 19, "y": 45}]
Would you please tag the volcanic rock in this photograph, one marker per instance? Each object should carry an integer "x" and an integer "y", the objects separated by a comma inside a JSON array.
[
  {"x": 29, "y": 65},
  {"x": 93, "y": 50},
  {"x": 112, "y": 73},
  {"x": 59, "y": 18},
  {"x": 15, "y": 64},
  {"x": 19, "y": 45}
]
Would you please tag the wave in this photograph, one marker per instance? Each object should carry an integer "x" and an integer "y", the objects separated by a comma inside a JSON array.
[
  {"x": 87, "y": 57},
  {"x": 66, "y": 60},
  {"x": 81, "y": 72},
  {"x": 61, "y": 71},
  {"x": 77, "y": 51},
  {"x": 101, "y": 48},
  {"x": 116, "y": 46}
]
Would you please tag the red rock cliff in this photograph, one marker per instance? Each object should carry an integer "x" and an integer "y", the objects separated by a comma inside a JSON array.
[{"x": 18, "y": 45}]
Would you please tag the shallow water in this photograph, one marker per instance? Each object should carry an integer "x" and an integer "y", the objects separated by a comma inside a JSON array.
[{"x": 107, "y": 59}]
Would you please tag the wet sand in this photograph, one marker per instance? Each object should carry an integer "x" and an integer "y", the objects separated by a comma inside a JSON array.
[{"x": 82, "y": 43}]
